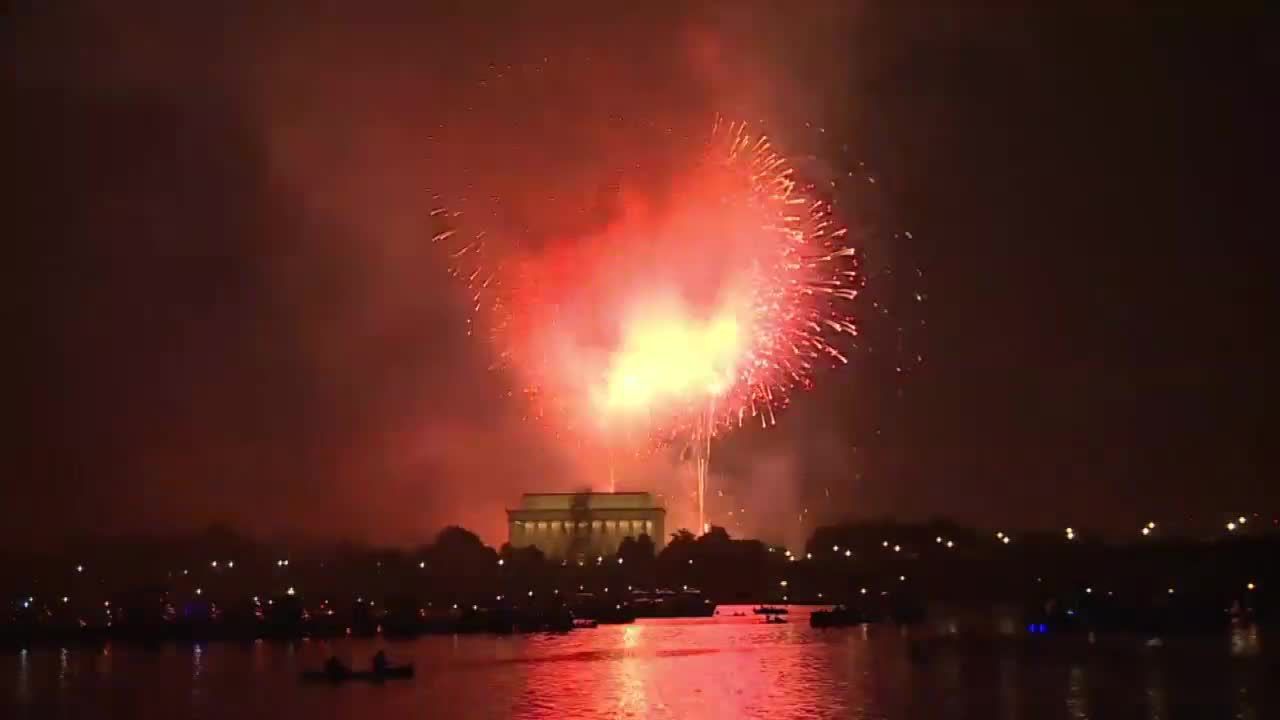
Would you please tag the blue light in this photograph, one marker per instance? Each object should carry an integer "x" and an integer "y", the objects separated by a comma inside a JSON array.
[{"x": 1043, "y": 629}]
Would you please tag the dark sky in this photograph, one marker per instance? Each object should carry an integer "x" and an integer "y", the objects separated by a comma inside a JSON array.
[{"x": 229, "y": 311}]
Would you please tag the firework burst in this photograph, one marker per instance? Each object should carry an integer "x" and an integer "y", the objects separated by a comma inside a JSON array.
[
  {"x": 687, "y": 316},
  {"x": 734, "y": 294}
]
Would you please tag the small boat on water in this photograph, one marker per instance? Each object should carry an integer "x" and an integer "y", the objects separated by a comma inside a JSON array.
[
  {"x": 395, "y": 672},
  {"x": 838, "y": 616},
  {"x": 769, "y": 610},
  {"x": 774, "y": 620}
]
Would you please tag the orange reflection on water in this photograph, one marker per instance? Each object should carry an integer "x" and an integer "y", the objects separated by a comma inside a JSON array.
[{"x": 690, "y": 669}]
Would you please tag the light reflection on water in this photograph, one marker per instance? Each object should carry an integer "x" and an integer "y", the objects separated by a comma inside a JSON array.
[
  {"x": 1157, "y": 701},
  {"x": 1077, "y": 694},
  {"x": 708, "y": 668}
]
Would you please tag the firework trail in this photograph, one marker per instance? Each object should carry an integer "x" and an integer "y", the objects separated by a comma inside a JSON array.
[{"x": 676, "y": 322}]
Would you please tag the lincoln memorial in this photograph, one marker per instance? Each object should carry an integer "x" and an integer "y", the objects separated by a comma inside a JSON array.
[{"x": 567, "y": 525}]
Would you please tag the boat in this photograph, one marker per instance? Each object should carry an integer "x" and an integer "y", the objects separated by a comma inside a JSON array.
[
  {"x": 671, "y": 604},
  {"x": 838, "y": 616},
  {"x": 769, "y": 610},
  {"x": 395, "y": 672},
  {"x": 774, "y": 620}
]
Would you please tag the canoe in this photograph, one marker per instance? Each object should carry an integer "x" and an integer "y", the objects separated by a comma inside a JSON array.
[{"x": 392, "y": 673}]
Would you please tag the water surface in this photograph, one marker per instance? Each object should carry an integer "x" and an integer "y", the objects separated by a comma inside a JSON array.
[{"x": 724, "y": 667}]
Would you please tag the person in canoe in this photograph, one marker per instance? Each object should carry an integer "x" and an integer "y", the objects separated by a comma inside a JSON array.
[{"x": 334, "y": 668}]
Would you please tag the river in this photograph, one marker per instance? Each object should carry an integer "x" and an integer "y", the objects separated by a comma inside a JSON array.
[{"x": 723, "y": 667}]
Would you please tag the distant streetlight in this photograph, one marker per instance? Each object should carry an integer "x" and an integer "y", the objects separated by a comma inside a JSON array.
[
  {"x": 501, "y": 561},
  {"x": 1251, "y": 586},
  {"x": 1088, "y": 590},
  {"x": 835, "y": 548},
  {"x": 422, "y": 564},
  {"x": 65, "y": 598},
  {"x": 902, "y": 578},
  {"x": 999, "y": 535},
  {"x": 1146, "y": 531},
  {"x": 950, "y": 544},
  {"x": 1005, "y": 539},
  {"x": 1242, "y": 520},
  {"x": 938, "y": 540},
  {"x": 291, "y": 592},
  {"x": 619, "y": 561},
  {"x": 199, "y": 591},
  {"x": 863, "y": 591},
  {"x": 1170, "y": 591},
  {"x": 1231, "y": 527},
  {"x": 79, "y": 568},
  {"x": 897, "y": 548},
  {"x": 231, "y": 563},
  {"x": 808, "y": 556},
  {"x": 213, "y": 564},
  {"x": 783, "y": 583},
  {"x": 848, "y": 553}
]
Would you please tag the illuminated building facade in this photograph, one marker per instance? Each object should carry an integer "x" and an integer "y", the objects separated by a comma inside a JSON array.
[{"x": 566, "y": 525}]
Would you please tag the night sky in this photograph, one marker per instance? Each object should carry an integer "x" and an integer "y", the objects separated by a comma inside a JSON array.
[{"x": 230, "y": 312}]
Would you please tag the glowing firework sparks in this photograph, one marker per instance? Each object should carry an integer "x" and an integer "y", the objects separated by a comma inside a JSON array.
[{"x": 681, "y": 321}]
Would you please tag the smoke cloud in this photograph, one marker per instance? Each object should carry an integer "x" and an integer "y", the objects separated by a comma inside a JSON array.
[{"x": 275, "y": 342}]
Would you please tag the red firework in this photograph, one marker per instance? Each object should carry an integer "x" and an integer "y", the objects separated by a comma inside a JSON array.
[{"x": 697, "y": 312}]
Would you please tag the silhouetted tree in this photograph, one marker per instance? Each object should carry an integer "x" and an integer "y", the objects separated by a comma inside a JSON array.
[
  {"x": 715, "y": 536},
  {"x": 681, "y": 536},
  {"x": 462, "y": 563},
  {"x": 638, "y": 556},
  {"x": 645, "y": 546}
]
